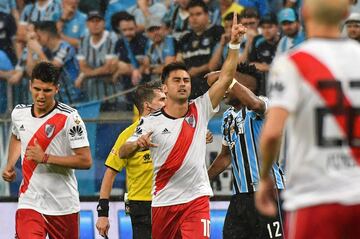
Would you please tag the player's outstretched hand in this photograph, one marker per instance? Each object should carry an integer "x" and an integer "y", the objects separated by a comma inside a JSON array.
[
  {"x": 237, "y": 31},
  {"x": 144, "y": 141},
  {"x": 103, "y": 225},
  {"x": 9, "y": 174},
  {"x": 265, "y": 198},
  {"x": 35, "y": 153}
]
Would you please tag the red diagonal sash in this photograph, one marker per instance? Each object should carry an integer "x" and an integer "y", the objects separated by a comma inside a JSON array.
[
  {"x": 56, "y": 122},
  {"x": 314, "y": 71},
  {"x": 179, "y": 151}
]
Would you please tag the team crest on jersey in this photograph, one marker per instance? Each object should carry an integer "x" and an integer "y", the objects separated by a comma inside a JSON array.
[
  {"x": 191, "y": 121},
  {"x": 206, "y": 41},
  {"x": 195, "y": 44},
  {"x": 77, "y": 119},
  {"x": 49, "y": 130}
]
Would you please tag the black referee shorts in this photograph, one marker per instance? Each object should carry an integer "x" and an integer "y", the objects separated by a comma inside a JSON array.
[
  {"x": 243, "y": 221},
  {"x": 140, "y": 215}
]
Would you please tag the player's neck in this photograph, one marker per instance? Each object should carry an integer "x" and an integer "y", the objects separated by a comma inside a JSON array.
[
  {"x": 322, "y": 31},
  {"x": 176, "y": 109},
  {"x": 38, "y": 112}
]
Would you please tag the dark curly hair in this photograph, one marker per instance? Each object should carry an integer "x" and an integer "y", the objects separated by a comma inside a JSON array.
[{"x": 247, "y": 69}]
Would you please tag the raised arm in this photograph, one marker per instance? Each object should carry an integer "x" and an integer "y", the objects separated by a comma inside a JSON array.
[{"x": 218, "y": 89}]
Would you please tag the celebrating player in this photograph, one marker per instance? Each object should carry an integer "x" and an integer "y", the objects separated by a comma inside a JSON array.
[{"x": 181, "y": 188}]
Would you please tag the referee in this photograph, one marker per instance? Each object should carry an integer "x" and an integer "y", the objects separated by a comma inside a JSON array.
[
  {"x": 241, "y": 126},
  {"x": 139, "y": 171}
]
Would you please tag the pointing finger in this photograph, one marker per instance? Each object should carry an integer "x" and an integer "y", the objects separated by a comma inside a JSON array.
[{"x": 234, "y": 19}]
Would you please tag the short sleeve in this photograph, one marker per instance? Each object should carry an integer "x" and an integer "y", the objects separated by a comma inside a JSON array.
[
  {"x": 284, "y": 87},
  {"x": 14, "y": 127},
  {"x": 205, "y": 107},
  {"x": 113, "y": 160},
  {"x": 76, "y": 131},
  {"x": 144, "y": 127},
  {"x": 110, "y": 53}
]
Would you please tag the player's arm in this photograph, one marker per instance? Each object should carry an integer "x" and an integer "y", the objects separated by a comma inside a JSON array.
[
  {"x": 128, "y": 149},
  {"x": 246, "y": 96},
  {"x": 270, "y": 141},
  {"x": 14, "y": 152},
  {"x": 80, "y": 160},
  {"x": 218, "y": 89},
  {"x": 221, "y": 162},
  {"x": 102, "y": 223},
  {"x": 249, "y": 99}
]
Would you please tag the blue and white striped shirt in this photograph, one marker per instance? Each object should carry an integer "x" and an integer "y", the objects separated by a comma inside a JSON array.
[
  {"x": 51, "y": 11},
  {"x": 241, "y": 132}
]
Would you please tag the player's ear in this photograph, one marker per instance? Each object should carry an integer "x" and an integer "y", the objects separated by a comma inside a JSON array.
[
  {"x": 57, "y": 88},
  {"x": 164, "y": 88}
]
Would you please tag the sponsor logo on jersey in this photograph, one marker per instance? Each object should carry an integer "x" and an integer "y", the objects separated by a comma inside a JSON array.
[
  {"x": 49, "y": 130},
  {"x": 191, "y": 121},
  {"x": 165, "y": 131},
  {"x": 276, "y": 87},
  {"x": 147, "y": 158},
  {"x": 76, "y": 130}
]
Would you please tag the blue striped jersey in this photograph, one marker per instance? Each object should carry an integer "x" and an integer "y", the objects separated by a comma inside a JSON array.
[
  {"x": 51, "y": 11},
  {"x": 6, "y": 6},
  {"x": 241, "y": 132},
  {"x": 96, "y": 55}
]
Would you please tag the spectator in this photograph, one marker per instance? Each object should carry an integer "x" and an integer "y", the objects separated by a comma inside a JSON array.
[
  {"x": 96, "y": 58},
  {"x": 228, "y": 6},
  {"x": 264, "y": 46},
  {"x": 177, "y": 19},
  {"x": 7, "y": 34},
  {"x": 130, "y": 48},
  {"x": 113, "y": 7},
  {"x": 144, "y": 9},
  {"x": 6, "y": 68},
  {"x": 352, "y": 25},
  {"x": 160, "y": 49},
  {"x": 197, "y": 46},
  {"x": 72, "y": 24},
  {"x": 262, "y": 6},
  {"x": 250, "y": 19},
  {"x": 9, "y": 7},
  {"x": 48, "y": 46},
  {"x": 291, "y": 28},
  {"x": 40, "y": 10}
]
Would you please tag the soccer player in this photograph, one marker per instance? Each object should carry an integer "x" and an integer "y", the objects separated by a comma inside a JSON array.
[
  {"x": 314, "y": 90},
  {"x": 139, "y": 171},
  {"x": 181, "y": 188},
  {"x": 241, "y": 127},
  {"x": 52, "y": 141}
]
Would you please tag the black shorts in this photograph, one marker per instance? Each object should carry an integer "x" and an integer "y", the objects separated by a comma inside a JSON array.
[
  {"x": 243, "y": 221},
  {"x": 140, "y": 215}
]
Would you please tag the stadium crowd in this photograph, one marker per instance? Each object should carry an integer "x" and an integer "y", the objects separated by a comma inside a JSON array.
[{"x": 103, "y": 52}]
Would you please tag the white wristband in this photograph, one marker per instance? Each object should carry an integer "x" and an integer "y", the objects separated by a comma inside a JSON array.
[
  {"x": 234, "y": 46},
  {"x": 232, "y": 84}
]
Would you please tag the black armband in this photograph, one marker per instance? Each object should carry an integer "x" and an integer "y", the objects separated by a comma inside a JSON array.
[{"x": 103, "y": 208}]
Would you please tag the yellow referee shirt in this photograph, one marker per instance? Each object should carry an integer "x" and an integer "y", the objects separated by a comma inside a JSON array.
[{"x": 139, "y": 168}]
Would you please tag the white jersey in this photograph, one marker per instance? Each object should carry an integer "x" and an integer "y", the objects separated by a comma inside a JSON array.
[
  {"x": 180, "y": 173},
  {"x": 46, "y": 188},
  {"x": 319, "y": 85}
]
